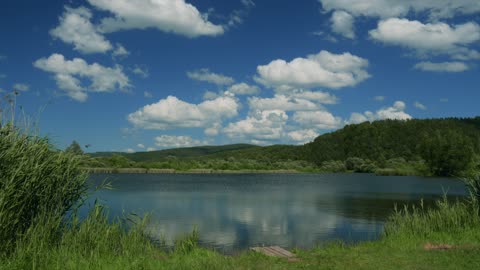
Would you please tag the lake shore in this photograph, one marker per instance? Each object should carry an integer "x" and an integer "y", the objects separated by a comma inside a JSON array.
[{"x": 194, "y": 171}]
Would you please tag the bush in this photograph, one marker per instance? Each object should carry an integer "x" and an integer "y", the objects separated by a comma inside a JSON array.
[{"x": 36, "y": 182}]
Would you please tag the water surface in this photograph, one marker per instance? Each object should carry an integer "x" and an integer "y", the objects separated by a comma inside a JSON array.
[{"x": 234, "y": 212}]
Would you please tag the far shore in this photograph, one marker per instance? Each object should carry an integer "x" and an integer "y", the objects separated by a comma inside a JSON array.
[{"x": 194, "y": 171}]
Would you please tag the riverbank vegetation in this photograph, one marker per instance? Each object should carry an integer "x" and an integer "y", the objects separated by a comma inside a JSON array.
[
  {"x": 41, "y": 188},
  {"x": 430, "y": 147}
]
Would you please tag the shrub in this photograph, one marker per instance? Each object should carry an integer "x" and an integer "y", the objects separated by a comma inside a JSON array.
[{"x": 35, "y": 182}]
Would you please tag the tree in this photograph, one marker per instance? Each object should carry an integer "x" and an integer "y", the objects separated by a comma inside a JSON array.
[
  {"x": 447, "y": 153},
  {"x": 74, "y": 148}
]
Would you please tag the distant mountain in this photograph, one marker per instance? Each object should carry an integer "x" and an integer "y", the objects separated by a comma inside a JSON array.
[{"x": 190, "y": 152}]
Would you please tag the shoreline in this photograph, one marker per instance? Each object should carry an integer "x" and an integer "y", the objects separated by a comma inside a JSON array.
[{"x": 195, "y": 171}]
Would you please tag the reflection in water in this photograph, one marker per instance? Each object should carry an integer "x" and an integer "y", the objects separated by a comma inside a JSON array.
[{"x": 235, "y": 212}]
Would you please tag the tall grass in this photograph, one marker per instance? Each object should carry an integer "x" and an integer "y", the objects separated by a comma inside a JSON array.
[
  {"x": 36, "y": 182},
  {"x": 446, "y": 217}
]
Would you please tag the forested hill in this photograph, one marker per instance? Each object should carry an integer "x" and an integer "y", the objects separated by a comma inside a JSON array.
[
  {"x": 446, "y": 145},
  {"x": 429, "y": 147},
  {"x": 189, "y": 152}
]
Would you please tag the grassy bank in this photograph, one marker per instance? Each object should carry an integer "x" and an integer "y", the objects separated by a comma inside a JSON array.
[{"x": 40, "y": 189}]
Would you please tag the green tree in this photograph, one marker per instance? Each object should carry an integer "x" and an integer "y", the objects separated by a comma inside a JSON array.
[
  {"x": 447, "y": 153},
  {"x": 74, "y": 148}
]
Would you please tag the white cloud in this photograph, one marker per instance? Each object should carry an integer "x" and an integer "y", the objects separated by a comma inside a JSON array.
[
  {"x": 140, "y": 145},
  {"x": 357, "y": 118},
  {"x": 243, "y": 89},
  {"x": 259, "y": 126},
  {"x": 420, "y": 106},
  {"x": 173, "y": 113},
  {"x": 343, "y": 24},
  {"x": 237, "y": 17},
  {"x": 435, "y": 38},
  {"x": 67, "y": 74},
  {"x": 442, "y": 67},
  {"x": 317, "y": 96},
  {"x": 150, "y": 149},
  {"x": 322, "y": 120},
  {"x": 398, "y": 8},
  {"x": 214, "y": 130},
  {"x": 129, "y": 150},
  {"x": 120, "y": 51},
  {"x": 75, "y": 28},
  {"x": 172, "y": 16},
  {"x": 209, "y": 95},
  {"x": 141, "y": 71},
  {"x": 379, "y": 98},
  {"x": 324, "y": 69},
  {"x": 206, "y": 75},
  {"x": 303, "y": 136},
  {"x": 166, "y": 141},
  {"x": 147, "y": 94},
  {"x": 281, "y": 102},
  {"x": 395, "y": 112},
  {"x": 21, "y": 87}
]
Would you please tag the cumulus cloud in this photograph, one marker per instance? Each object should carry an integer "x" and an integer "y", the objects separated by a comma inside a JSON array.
[
  {"x": 395, "y": 112},
  {"x": 243, "y": 89},
  {"x": 259, "y": 126},
  {"x": 173, "y": 113},
  {"x": 69, "y": 73},
  {"x": 166, "y": 141},
  {"x": 343, "y": 24},
  {"x": 324, "y": 69},
  {"x": 21, "y": 87},
  {"x": 303, "y": 136},
  {"x": 141, "y": 71},
  {"x": 442, "y": 67},
  {"x": 140, "y": 145},
  {"x": 129, "y": 150},
  {"x": 120, "y": 51},
  {"x": 317, "y": 96},
  {"x": 281, "y": 102},
  {"x": 420, "y": 106},
  {"x": 436, "y": 38},
  {"x": 436, "y": 9},
  {"x": 209, "y": 95},
  {"x": 206, "y": 75},
  {"x": 322, "y": 120},
  {"x": 147, "y": 94},
  {"x": 171, "y": 16},
  {"x": 75, "y": 28}
]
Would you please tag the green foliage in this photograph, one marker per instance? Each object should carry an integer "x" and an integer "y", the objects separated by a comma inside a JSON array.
[
  {"x": 447, "y": 152},
  {"x": 187, "y": 243},
  {"x": 35, "y": 182},
  {"x": 74, "y": 148},
  {"x": 449, "y": 146}
]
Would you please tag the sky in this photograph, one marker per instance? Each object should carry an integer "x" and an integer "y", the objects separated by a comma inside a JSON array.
[{"x": 146, "y": 75}]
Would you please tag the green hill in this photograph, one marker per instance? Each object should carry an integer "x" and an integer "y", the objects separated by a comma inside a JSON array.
[
  {"x": 190, "y": 152},
  {"x": 447, "y": 147}
]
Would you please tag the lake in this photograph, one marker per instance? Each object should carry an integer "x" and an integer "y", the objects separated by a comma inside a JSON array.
[{"x": 234, "y": 212}]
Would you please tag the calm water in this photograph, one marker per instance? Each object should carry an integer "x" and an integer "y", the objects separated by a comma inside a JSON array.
[{"x": 234, "y": 212}]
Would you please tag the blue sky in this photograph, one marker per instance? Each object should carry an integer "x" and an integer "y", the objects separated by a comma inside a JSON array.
[{"x": 155, "y": 74}]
